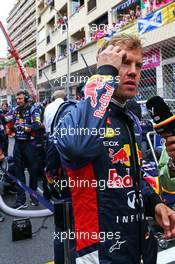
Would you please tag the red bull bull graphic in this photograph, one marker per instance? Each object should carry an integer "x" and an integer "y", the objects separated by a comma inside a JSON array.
[
  {"x": 121, "y": 156},
  {"x": 98, "y": 82},
  {"x": 95, "y": 83},
  {"x": 116, "y": 181}
]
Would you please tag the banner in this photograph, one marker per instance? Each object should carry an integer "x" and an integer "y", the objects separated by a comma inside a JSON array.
[
  {"x": 130, "y": 30},
  {"x": 100, "y": 42},
  {"x": 152, "y": 21},
  {"x": 151, "y": 59},
  {"x": 125, "y": 5},
  {"x": 168, "y": 13}
]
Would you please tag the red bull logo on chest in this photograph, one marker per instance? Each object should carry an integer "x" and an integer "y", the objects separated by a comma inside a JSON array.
[
  {"x": 122, "y": 156},
  {"x": 95, "y": 83}
]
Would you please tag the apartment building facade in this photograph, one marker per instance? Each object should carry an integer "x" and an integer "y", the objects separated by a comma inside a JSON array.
[
  {"x": 86, "y": 22},
  {"x": 21, "y": 26},
  {"x": 11, "y": 82}
]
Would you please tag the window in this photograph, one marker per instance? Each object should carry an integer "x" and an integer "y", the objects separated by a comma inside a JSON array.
[
  {"x": 41, "y": 35},
  {"x": 75, "y": 6},
  {"x": 91, "y": 5},
  {"x": 48, "y": 39},
  {"x": 62, "y": 49},
  {"x": 74, "y": 56},
  {"x": 39, "y": 20},
  {"x": 81, "y": 2},
  {"x": 53, "y": 67}
]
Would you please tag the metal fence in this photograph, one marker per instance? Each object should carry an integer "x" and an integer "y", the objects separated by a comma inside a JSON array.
[{"x": 158, "y": 74}]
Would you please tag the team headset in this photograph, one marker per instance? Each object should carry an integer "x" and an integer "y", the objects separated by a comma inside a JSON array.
[{"x": 26, "y": 96}]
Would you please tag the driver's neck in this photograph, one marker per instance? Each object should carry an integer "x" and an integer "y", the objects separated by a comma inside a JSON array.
[{"x": 116, "y": 102}]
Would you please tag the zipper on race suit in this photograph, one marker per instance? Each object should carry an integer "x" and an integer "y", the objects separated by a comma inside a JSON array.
[
  {"x": 136, "y": 182},
  {"x": 135, "y": 163}
]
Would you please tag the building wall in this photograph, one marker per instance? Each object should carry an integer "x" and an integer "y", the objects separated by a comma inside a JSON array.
[
  {"x": 77, "y": 21},
  {"x": 21, "y": 25},
  {"x": 11, "y": 81}
]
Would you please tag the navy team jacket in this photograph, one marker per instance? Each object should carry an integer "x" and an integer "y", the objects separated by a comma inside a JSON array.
[
  {"x": 26, "y": 117},
  {"x": 100, "y": 144}
]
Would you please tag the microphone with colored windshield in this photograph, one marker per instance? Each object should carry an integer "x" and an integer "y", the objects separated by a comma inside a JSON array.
[{"x": 161, "y": 114}]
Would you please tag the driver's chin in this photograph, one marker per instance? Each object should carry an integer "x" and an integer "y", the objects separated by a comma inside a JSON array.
[
  {"x": 131, "y": 96},
  {"x": 126, "y": 97}
]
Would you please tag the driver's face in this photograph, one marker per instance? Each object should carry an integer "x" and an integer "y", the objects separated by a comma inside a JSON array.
[{"x": 129, "y": 74}]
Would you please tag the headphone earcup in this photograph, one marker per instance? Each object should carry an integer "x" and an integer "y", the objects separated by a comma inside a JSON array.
[{"x": 27, "y": 97}]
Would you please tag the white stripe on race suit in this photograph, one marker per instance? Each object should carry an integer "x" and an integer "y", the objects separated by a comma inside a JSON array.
[
  {"x": 91, "y": 258},
  {"x": 166, "y": 256}
]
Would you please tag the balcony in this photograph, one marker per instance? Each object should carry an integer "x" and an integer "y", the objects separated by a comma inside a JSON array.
[
  {"x": 27, "y": 41},
  {"x": 29, "y": 50},
  {"x": 25, "y": 23},
  {"x": 25, "y": 16},
  {"x": 25, "y": 53},
  {"x": 29, "y": 4},
  {"x": 78, "y": 40},
  {"x": 23, "y": 36},
  {"x": 20, "y": 7},
  {"x": 25, "y": 30}
]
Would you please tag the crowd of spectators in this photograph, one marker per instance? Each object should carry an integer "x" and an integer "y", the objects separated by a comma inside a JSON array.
[
  {"x": 152, "y": 5},
  {"x": 47, "y": 63},
  {"x": 107, "y": 31},
  {"x": 123, "y": 20}
]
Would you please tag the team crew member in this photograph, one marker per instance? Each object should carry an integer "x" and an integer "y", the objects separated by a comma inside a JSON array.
[
  {"x": 26, "y": 122},
  {"x": 113, "y": 217},
  {"x": 58, "y": 98},
  {"x": 52, "y": 156}
]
